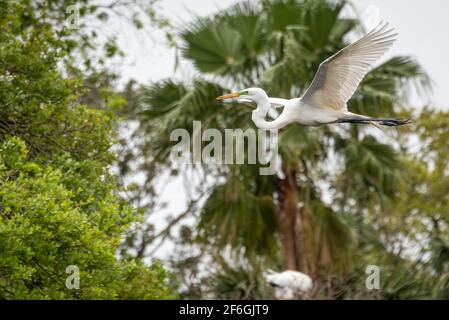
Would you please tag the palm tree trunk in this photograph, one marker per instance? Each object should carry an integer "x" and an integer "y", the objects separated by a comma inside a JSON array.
[
  {"x": 302, "y": 255},
  {"x": 288, "y": 199},
  {"x": 293, "y": 224}
]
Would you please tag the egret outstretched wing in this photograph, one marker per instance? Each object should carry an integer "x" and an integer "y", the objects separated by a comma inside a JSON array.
[{"x": 339, "y": 76}]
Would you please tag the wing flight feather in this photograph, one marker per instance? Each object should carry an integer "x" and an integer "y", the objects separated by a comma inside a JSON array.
[{"x": 339, "y": 76}]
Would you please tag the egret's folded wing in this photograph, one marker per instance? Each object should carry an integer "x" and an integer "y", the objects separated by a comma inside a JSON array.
[
  {"x": 339, "y": 76},
  {"x": 277, "y": 102}
]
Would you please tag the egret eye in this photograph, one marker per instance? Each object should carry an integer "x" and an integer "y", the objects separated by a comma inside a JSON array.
[{"x": 243, "y": 92}]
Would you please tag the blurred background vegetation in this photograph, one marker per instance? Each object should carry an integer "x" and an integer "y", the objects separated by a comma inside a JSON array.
[{"x": 348, "y": 196}]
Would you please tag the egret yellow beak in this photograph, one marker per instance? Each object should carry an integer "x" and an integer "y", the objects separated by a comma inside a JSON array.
[{"x": 229, "y": 96}]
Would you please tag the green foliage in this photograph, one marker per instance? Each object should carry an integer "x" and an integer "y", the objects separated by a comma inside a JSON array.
[
  {"x": 226, "y": 44},
  {"x": 374, "y": 164},
  {"x": 234, "y": 215},
  {"x": 59, "y": 204},
  {"x": 242, "y": 282},
  {"x": 51, "y": 217},
  {"x": 36, "y": 102}
]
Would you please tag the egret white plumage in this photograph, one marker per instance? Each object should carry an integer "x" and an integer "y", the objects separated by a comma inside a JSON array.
[
  {"x": 336, "y": 80},
  {"x": 289, "y": 284}
]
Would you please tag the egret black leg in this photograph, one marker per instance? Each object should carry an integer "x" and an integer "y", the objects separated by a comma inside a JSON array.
[{"x": 384, "y": 122}]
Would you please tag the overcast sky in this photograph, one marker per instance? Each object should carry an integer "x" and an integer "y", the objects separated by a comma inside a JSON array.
[{"x": 423, "y": 28}]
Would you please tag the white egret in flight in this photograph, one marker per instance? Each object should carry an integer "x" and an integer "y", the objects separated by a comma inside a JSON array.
[{"x": 325, "y": 100}]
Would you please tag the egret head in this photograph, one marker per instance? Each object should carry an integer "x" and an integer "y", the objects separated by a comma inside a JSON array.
[{"x": 254, "y": 94}]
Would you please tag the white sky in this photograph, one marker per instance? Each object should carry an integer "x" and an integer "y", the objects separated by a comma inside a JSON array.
[
  {"x": 423, "y": 28},
  {"x": 422, "y": 25}
]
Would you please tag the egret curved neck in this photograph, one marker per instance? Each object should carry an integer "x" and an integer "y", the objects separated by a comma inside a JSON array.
[{"x": 259, "y": 114}]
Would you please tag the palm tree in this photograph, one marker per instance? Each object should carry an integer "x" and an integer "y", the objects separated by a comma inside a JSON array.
[{"x": 278, "y": 45}]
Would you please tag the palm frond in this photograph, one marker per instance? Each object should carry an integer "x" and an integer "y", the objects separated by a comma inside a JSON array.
[
  {"x": 376, "y": 164},
  {"x": 229, "y": 44},
  {"x": 234, "y": 216},
  {"x": 160, "y": 98},
  {"x": 388, "y": 84}
]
